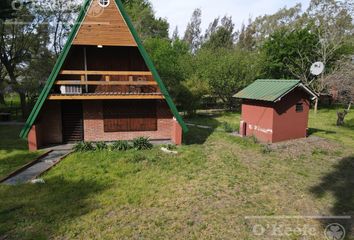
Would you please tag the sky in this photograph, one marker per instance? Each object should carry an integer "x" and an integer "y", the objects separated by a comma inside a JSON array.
[{"x": 178, "y": 12}]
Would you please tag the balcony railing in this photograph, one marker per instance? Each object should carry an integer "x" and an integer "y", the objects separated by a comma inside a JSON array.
[{"x": 140, "y": 85}]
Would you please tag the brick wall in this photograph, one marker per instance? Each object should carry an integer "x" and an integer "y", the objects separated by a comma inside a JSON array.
[
  {"x": 48, "y": 127},
  {"x": 94, "y": 124}
]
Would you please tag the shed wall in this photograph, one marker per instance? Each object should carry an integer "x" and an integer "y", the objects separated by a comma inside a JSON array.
[
  {"x": 259, "y": 119},
  {"x": 289, "y": 124}
]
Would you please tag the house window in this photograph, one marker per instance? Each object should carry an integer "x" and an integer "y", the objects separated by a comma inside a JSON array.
[
  {"x": 103, "y": 3},
  {"x": 129, "y": 116},
  {"x": 299, "y": 107}
]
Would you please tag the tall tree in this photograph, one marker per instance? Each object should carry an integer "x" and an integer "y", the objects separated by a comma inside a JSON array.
[
  {"x": 332, "y": 22},
  {"x": 144, "y": 20},
  {"x": 193, "y": 32},
  {"x": 222, "y": 36},
  {"x": 60, "y": 19},
  {"x": 341, "y": 81},
  {"x": 264, "y": 26},
  {"x": 6, "y": 12},
  {"x": 226, "y": 71},
  {"x": 175, "y": 35},
  {"x": 213, "y": 26},
  {"x": 21, "y": 40},
  {"x": 246, "y": 38},
  {"x": 289, "y": 54}
]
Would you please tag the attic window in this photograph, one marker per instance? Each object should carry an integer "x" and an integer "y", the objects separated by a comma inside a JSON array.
[
  {"x": 299, "y": 107},
  {"x": 103, "y": 3}
]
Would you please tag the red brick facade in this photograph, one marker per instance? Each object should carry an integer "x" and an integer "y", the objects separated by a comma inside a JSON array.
[
  {"x": 94, "y": 125},
  {"x": 48, "y": 128}
]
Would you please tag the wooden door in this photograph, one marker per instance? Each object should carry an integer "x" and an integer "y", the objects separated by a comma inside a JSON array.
[{"x": 72, "y": 120}]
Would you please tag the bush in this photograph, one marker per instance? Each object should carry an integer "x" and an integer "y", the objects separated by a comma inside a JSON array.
[
  {"x": 142, "y": 143},
  {"x": 266, "y": 149},
  {"x": 171, "y": 147},
  {"x": 120, "y": 146},
  {"x": 84, "y": 147},
  {"x": 227, "y": 127},
  {"x": 101, "y": 146}
]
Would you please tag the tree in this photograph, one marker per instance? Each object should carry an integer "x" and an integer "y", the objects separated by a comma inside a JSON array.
[
  {"x": 2, "y": 84},
  {"x": 6, "y": 10},
  {"x": 226, "y": 71},
  {"x": 21, "y": 40},
  {"x": 175, "y": 35},
  {"x": 60, "y": 16},
  {"x": 144, "y": 20},
  {"x": 264, "y": 26},
  {"x": 193, "y": 32},
  {"x": 290, "y": 53},
  {"x": 222, "y": 36},
  {"x": 246, "y": 39},
  {"x": 341, "y": 81},
  {"x": 331, "y": 21}
]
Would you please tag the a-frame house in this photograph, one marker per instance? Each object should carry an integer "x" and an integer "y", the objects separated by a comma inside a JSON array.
[{"x": 104, "y": 86}]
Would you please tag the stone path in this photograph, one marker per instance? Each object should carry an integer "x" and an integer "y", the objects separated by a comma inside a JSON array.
[{"x": 37, "y": 169}]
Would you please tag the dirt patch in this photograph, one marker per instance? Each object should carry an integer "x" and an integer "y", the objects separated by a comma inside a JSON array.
[{"x": 304, "y": 146}]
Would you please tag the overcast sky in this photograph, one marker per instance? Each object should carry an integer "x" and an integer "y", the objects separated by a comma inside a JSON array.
[{"x": 178, "y": 12}]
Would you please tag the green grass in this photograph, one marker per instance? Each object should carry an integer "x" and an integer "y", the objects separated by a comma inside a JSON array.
[
  {"x": 324, "y": 125},
  {"x": 12, "y": 100},
  {"x": 204, "y": 192},
  {"x": 13, "y": 151}
]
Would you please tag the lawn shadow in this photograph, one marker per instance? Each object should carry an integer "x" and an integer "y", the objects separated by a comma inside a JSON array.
[
  {"x": 340, "y": 183},
  {"x": 11, "y": 162},
  {"x": 37, "y": 211},
  {"x": 200, "y": 128},
  {"x": 312, "y": 131}
]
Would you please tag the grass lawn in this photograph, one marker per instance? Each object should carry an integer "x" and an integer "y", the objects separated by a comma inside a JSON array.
[
  {"x": 205, "y": 192},
  {"x": 13, "y": 151}
]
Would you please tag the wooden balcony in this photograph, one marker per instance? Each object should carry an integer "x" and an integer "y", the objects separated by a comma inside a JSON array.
[
  {"x": 101, "y": 85},
  {"x": 104, "y": 96}
]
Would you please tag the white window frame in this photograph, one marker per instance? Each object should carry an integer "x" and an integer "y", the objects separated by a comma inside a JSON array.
[{"x": 105, "y": 4}]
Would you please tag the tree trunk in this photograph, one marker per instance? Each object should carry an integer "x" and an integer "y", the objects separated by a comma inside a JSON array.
[
  {"x": 2, "y": 99},
  {"x": 316, "y": 105},
  {"x": 341, "y": 116},
  {"x": 349, "y": 106},
  {"x": 23, "y": 105}
]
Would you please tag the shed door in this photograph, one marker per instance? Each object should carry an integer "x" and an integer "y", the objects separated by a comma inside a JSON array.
[{"x": 72, "y": 120}]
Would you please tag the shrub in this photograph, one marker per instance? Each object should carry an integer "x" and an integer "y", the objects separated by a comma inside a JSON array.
[
  {"x": 171, "y": 147},
  {"x": 142, "y": 143},
  {"x": 227, "y": 127},
  {"x": 266, "y": 149},
  {"x": 101, "y": 146},
  {"x": 83, "y": 147},
  {"x": 120, "y": 146}
]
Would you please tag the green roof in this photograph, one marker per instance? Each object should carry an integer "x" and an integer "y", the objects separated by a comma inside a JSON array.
[
  {"x": 50, "y": 82},
  {"x": 271, "y": 90}
]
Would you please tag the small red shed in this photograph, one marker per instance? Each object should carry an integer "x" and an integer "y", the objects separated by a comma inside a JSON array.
[{"x": 275, "y": 110}]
